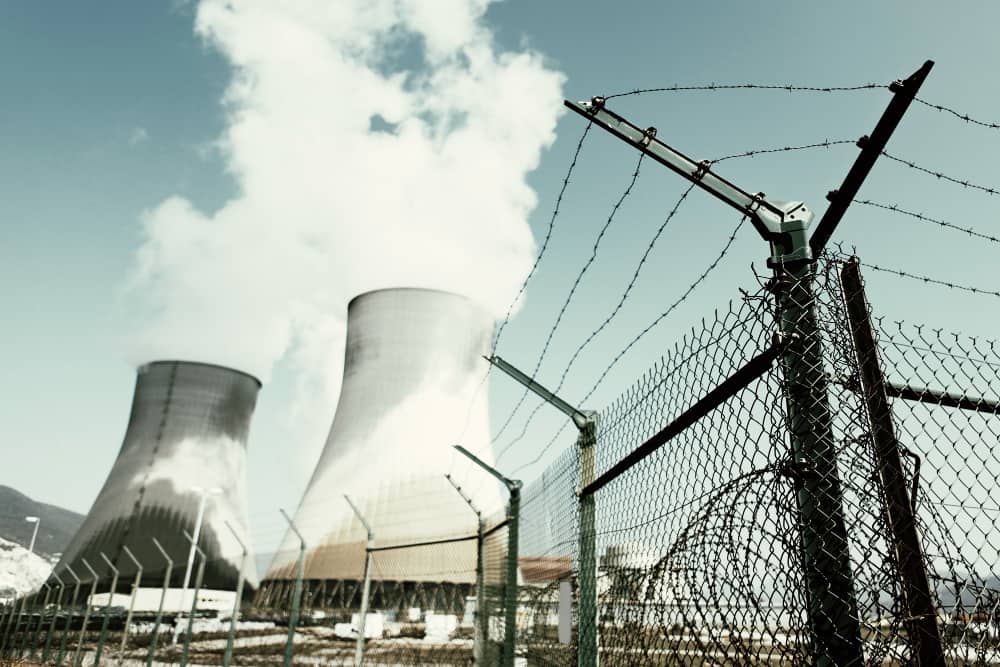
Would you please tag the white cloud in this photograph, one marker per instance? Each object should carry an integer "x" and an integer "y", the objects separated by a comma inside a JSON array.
[{"x": 327, "y": 208}]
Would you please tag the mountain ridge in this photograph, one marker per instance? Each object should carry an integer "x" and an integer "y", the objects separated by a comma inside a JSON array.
[{"x": 57, "y": 525}]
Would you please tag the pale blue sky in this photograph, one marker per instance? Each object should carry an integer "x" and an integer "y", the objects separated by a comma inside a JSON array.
[{"x": 108, "y": 108}]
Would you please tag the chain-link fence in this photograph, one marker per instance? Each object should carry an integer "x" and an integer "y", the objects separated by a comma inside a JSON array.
[{"x": 797, "y": 482}]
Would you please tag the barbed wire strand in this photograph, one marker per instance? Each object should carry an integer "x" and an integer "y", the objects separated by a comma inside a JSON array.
[
  {"x": 673, "y": 306},
  {"x": 746, "y": 86},
  {"x": 923, "y": 218},
  {"x": 524, "y": 286},
  {"x": 826, "y": 143},
  {"x": 957, "y": 114},
  {"x": 548, "y": 235},
  {"x": 942, "y": 176},
  {"x": 572, "y": 292},
  {"x": 670, "y": 309},
  {"x": 930, "y": 280},
  {"x": 618, "y": 306}
]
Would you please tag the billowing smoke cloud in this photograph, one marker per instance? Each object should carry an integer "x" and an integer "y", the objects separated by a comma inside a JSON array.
[{"x": 374, "y": 143}]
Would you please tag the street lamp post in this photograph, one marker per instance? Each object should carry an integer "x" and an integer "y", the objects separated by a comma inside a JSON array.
[
  {"x": 205, "y": 493},
  {"x": 35, "y": 520}
]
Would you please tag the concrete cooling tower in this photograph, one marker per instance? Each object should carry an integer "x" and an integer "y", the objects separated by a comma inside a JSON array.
[
  {"x": 187, "y": 432},
  {"x": 413, "y": 382}
]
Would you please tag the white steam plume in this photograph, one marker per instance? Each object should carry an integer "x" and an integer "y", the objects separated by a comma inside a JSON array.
[{"x": 374, "y": 143}]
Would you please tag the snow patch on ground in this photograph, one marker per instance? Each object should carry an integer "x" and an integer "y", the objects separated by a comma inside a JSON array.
[{"x": 21, "y": 571}]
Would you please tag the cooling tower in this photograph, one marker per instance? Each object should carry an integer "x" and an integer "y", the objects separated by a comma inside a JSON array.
[
  {"x": 413, "y": 382},
  {"x": 187, "y": 431}
]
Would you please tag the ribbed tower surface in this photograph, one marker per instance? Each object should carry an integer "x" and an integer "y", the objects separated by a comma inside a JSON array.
[
  {"x": 413, "y": 382},
  {"x": 187, "y": 430}
]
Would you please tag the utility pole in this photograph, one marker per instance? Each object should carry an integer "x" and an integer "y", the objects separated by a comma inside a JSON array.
[
  {"x": 479, "y": 618},
  {"x": 832, "y": 607},
  {"x": 359, "y": 648},
  {"x": 586, "y": 423},
  {"x": 293, "y": 616},
  {"x": 510, "y": 588}
]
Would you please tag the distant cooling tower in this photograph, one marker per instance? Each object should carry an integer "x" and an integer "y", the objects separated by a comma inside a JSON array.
[
  {"x": 187, "y": 431},
  {"x": 413, "y": 381}
]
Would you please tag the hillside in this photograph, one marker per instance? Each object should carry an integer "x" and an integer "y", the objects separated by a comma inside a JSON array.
[
  {"x": 57, "y": 524},
  {"x": 20, "y": 570}
]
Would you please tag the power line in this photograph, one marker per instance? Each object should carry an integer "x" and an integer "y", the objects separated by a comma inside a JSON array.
[
  {"x": 923, "y": 218},
  {"x": 928, "y": 279},
  {"x": 746, "y": 86},
  {"x": 957, "y": 114},
  {"x": 943, "y": 176}
]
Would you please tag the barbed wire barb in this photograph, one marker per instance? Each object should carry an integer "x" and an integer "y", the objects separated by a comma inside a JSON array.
[{"x": 958, "y": 114}]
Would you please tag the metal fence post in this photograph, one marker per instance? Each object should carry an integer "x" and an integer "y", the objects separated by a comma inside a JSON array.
[
  {"x": 86, "y": 612},
  {"x": 510, "y": 586},
  {"x": 69, "y": 617},
  {"x": 10, "y": 643},
  {"x": 228, "y": 655},
  {"x": 920, "y": 612},
  {"x": 480, "y": 618},
  {"x": 21, "y": 641},
  {"x": 107, "y": 610},
  {"x": 586, "y": 422},
  {"x": 5, "y": 622},
  {"x": 159, "y": 609},
  {"x": 293, "y": 616},
  {"x": 55, "y": 618},
  {"x": 131, "y": 603},
  {"x": 587, "y": 633},
  {"x": 833, "y": 610},
  {"x": 41, "y": 621},
  {"x": 194, "y": 603},
  {"x": 359, "y": 647}
]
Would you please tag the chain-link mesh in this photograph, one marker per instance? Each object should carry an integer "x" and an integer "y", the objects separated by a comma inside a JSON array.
[{"x": 795, "y": 483}]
